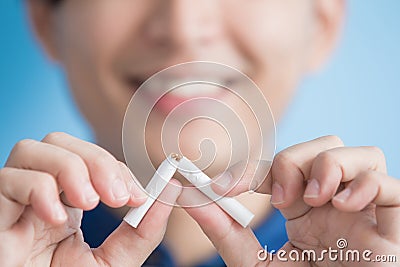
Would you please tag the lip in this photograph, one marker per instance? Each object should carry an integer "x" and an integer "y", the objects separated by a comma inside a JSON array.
[{"x": 171, "y": 100}]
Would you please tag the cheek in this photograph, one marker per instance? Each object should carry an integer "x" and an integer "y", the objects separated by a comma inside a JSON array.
[
  {"x": 97, "y": 30},
  {"x": 88, "y": 36},
  {"x": 273, "y": 36},
  {"x": 270, "y": 30}
]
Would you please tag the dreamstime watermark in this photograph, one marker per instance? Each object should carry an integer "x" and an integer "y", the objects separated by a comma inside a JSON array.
[{"x": 340, "y": 253}]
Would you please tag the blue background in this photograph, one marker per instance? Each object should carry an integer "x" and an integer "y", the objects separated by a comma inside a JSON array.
[{"x": 356, "y": 96}]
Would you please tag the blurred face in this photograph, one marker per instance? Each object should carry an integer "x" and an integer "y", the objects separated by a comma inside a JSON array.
[{"x": 108, "y": 48}]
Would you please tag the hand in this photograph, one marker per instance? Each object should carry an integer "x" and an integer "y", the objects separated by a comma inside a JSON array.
[
  {"x": 37, "y": 229},
  {"x": 304, "y": 180}
]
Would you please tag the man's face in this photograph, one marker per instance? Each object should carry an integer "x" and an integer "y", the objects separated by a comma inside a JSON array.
[{"x": 108, "y": 48}]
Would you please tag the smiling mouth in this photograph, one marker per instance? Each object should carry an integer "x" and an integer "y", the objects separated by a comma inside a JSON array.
[{"x": 169, "y": 95}]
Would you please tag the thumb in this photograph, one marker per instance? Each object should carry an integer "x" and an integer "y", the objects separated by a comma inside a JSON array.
[{"x": 128, "y": 246}]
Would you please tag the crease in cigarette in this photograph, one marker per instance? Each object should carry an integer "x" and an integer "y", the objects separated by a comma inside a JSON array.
[
  {"x": 199, "y": 179},
  {"x": 158, "y": 182},
  {"x": 194, "y": 175}
]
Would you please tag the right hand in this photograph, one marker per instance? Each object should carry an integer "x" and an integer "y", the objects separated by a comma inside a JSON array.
[
  {"x": 37, "y": 229},
  {"x": 353, "y": 200}
]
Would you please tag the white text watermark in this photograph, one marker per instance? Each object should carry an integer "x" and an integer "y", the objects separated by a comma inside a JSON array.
[{"x": 339, "y": 253}]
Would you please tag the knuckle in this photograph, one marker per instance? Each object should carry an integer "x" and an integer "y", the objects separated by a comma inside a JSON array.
[
  {"x": 378, "y": 151},
  {"x": 282, "y": 157},
  {"x": 45, "y": 182},
  {"x": 23, "y": 145},
  {"x": 4, "y": 172},
  {"x": 326, "y": 158},
  {"x": 53, "y": 137},
  {"x": 283, "y": 160},
  {"x": 72, "y": 160},
  {"x": 5, "y": 179},
  {"x": 104, "y": 161},
  {"x": 334, "y": 139},
  {"x": 380, "y": 159}
]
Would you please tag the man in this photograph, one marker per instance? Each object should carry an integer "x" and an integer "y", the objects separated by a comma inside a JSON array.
[{"x": 107, "y": 49}]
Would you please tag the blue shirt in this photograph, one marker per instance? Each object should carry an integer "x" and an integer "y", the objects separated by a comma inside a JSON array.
[{"x": 97, "y": 224}]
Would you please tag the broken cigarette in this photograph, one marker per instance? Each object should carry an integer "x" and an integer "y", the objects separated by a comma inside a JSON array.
[
  {"x": 199, "y": 179},
  {"x": 194, "y": 175},
  {"x": 154, "y": 188}
]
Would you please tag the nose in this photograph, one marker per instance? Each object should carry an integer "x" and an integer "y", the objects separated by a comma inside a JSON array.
[{"x": 183, "y": 23}]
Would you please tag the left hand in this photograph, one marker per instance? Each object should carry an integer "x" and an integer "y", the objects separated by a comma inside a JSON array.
[{"x": 366, "y": 213}]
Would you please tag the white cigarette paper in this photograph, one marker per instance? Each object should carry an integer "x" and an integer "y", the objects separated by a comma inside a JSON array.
[
  {"x": 194, "y": 175},
  {"x": 230, "y": 205},
  {"x": 154, "y": 188}
]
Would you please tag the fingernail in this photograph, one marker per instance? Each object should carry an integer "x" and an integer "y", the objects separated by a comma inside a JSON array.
[
  {"x": 277, "y": 194},
  {"x": 90, "y": 195},
  {"x": 59, "y": 212},
  {"x": 136, "y": 192},
  {"x": 312, "y": 189},
  {"x": 343, "y": 195},
  {"x": 253, "y": 185},
  {"x": 224, "y": 181},
  {"x": 119, "y": 190},
  {"x": 135, "y": 188}
]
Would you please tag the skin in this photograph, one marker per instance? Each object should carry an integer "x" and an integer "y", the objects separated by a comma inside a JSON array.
[
  {"x": 101, "y": 45},
  {"x": 317, "y": 216}
]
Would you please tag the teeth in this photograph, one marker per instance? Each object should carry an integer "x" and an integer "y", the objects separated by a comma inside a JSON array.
[
  {"x": 186, "y": 91},
  {"x": 194, "y": 90}
]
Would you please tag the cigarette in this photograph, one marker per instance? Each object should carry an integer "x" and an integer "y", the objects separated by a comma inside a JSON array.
[
  {"x": 154, "y": 188},
  {"x": 199, "y": 179}
]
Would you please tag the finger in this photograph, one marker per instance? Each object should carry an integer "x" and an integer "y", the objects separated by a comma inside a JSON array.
[
  {"x": 19, "y": 188},
  {"x": 128, "y": 246},
  {"x": 68, "y": 169},
  {"x": 137, "y": 192},
  {"x": 285, "y": 180},
  {"x": 253, "y": 175},
  {"x": 374, "y": 187},
  {"x": 227, "y": 236},
  {"x": 289, "y": 170},
  {"x": 337, "y": 165},
  {"x": 105, "y": 171},
  {"x": 242, "y": 177}
]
